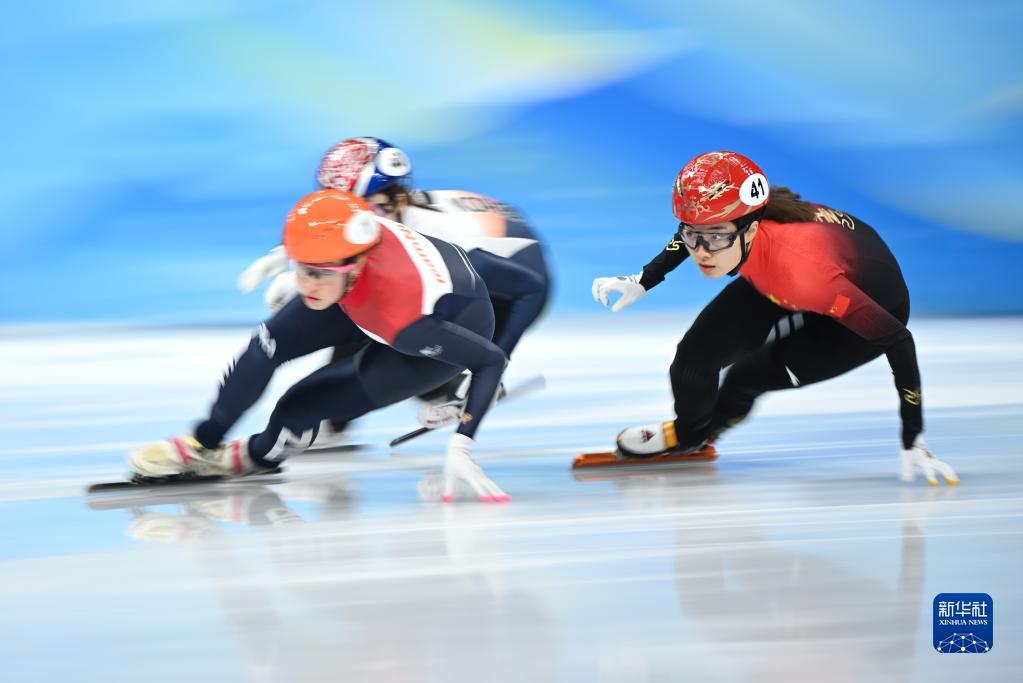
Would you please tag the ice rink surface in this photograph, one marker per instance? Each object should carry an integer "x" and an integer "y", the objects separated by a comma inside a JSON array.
[{"x": 798, "y": 555}]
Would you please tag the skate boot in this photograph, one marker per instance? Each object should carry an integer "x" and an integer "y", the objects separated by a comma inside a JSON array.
[
  {"x": 184, "y": 457},
  {"x": 446, "y": 409},
  {"x": 655, "y": 443},
  {"x": 649, "y": 441}
]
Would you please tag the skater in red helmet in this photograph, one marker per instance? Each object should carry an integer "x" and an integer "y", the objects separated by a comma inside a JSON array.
[{"x": 818, "y": 284}]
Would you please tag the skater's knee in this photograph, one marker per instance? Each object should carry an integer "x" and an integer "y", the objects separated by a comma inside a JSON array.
[
  {"x": 760, "y": 373},
  {"x": 686, "y": 368},
  {"x": 697, "y": 355}
]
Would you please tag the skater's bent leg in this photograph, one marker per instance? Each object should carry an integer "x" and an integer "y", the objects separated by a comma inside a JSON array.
[
  {"x": 695, "y": 390},
  {"x": 345, "y": 351},
  {"x": 377, "y": 376},
  {"x": 461, "y": 343},
  {"x": 821, "y": 350},
  {"x": 522, "y": 291},
  {"x": 333, "y": 391},
  {"x": 341, "y": 353},
  {"x": 731, "y": 326},
  {"x": 744, "y": 382},
  {"x": 296, "y": 330}
]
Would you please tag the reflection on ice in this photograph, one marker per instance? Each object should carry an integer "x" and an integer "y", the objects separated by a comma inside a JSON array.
[{"x": 798, "y": 554}]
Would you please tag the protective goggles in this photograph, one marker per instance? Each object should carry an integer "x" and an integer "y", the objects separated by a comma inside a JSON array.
[
  {"x": 711, "y": 241},
  {"x": 318, "y": 271}
]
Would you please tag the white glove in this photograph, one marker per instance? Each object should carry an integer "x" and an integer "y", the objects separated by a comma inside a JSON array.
[
  {"x": 920, "y": 456},
  {"x": 263, "y": 268},
  {"x": 283, "y": 289},
  {"x": 626, "y": 285},
  {"x": 459, "y": 466}
]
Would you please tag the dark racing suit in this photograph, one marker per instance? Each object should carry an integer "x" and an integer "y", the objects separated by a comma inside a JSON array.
[
  {"x": 422, "y": 315},
  {"x": 855, "y": 305}
]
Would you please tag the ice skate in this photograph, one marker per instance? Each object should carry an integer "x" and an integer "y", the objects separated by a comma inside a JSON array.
[
  {"x": 186, "y": 458},
  {"x": 444, "y": 407},
  {"x": 439, "y": 413},
  {"x": 333, "y": 435},
  {"x": 648, "y": 444}
]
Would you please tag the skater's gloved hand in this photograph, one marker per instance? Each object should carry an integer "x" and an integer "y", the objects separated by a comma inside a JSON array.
[
  {"x": 920, "y": 456},
  {"x": 263, "y": 268},
  {"x": 459, "y": 466},
  {"x": 626, "y": 285},
  {"x": 283, "y": 289}
]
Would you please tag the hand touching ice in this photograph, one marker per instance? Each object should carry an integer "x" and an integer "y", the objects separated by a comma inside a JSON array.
[
  {"x": 459, "y": 466},
  {"x": 920, "y": 456}
]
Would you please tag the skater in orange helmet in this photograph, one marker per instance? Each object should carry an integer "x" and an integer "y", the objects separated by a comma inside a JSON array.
[{"x": 419, "y": 311}]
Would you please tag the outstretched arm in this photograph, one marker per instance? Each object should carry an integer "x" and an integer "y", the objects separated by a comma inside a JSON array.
[
  {"x": 853, "y": 308},
  {"x": 673, "y": 254},
  {"x": 263, "y": 268},
  {"x": 632, "y": 288},
  {"x": 451, "y": 343}
]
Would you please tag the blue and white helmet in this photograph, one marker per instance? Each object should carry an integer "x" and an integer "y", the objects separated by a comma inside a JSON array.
[{"x": 364, "y": 166}]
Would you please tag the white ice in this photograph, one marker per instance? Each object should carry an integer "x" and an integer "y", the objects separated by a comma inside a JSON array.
[{"x": 798, "y": 555}]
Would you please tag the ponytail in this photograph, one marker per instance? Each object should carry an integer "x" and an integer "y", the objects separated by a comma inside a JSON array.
[{"x": 785, "y": 206}]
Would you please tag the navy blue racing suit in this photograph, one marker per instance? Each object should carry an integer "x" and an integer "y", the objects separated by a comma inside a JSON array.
[{"x": 424, "y": 315}]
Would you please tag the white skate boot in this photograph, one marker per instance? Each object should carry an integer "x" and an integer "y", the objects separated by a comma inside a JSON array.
[
  {"x": 653, "y": 443},
  {"x": 447, "y": 409},
  {"x": 184, "y": 456},
  {"x": 648, "y": 440}
]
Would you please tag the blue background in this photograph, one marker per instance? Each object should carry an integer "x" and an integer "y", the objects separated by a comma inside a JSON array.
[{"x": 152, "y": 149}]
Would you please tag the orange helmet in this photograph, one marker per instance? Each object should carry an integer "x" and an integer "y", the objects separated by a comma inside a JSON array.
[{"x": 330, "y": 226}]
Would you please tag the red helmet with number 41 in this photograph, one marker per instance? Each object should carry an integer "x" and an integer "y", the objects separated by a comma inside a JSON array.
[{"x": 718, "y": 187}]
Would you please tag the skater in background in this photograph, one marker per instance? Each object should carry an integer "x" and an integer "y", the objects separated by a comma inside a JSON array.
[
  {"x": 416, "y": 307},
  {"x": 791, "y": 256},
  {"x": 502, "y": 247}
]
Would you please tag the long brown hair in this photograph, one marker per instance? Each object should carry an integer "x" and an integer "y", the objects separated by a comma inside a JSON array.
[{"x": 787, "y": 207}]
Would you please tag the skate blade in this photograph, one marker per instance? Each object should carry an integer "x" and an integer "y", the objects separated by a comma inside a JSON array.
[
  {"x": 139, "y": 482},
  {"x": 334, "y": 448},
  {"x": 613, "y": 459}
]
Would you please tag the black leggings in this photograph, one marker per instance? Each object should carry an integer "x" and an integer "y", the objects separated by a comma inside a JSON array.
[
  {"x": 375, "y": 377},
  {"x": 732, "y": 330}
]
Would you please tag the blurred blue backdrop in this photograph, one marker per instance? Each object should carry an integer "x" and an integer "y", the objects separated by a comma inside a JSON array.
[{"x": 152, "y": 149}]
